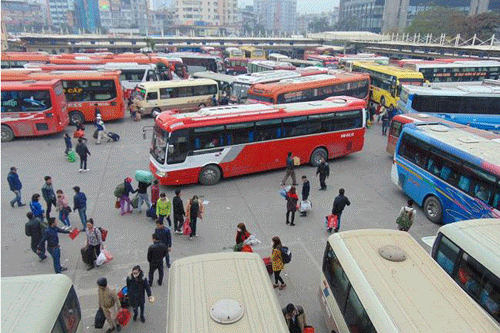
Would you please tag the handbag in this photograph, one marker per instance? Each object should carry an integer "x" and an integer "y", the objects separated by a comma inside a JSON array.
[
  {"x": 75, "y": 232},
  {"x": 186, "y": 228},
  {"x": 99, "y": 319}
]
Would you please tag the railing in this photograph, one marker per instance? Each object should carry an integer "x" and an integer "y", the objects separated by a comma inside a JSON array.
[{"x": 442, "y": 40}]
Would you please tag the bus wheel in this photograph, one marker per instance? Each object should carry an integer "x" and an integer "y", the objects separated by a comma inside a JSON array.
[
  {"x": 210, "y": 175},
  {"x": 317, "y": 155},
  {"x": 433, "y": 209},
  {"x": 7, "y": 134},
  {"x": 157, "y": 110},
  {"x": 382, "y": 101},
  {"x": 76, "y": 117}
]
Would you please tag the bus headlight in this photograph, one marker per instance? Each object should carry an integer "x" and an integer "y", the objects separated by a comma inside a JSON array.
[{"x": 161, "y": 173}]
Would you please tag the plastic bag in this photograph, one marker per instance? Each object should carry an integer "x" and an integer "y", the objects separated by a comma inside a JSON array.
[
  {"x": 331, "y": 221},
  {"x": 123, "y": 316},
  {"x": 246, "y": 248},
  {"x": 107, "y": 255},
  {"x": 135, "y": 201},
  {"x": 71, "y": 156},
  {"x": 186, "y": 228},
  {"x": 99, "y": 319},
  {"x": 305, "y": 206},
  {"x": 252, "y": 240},
  {"x": 101, "y": 259}
]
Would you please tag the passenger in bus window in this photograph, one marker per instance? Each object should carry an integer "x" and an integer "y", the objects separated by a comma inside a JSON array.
[{"x": 482, "y": 193}]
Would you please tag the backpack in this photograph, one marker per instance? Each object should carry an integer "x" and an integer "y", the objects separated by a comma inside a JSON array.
[
  {"x": 286, "y": 255},
  {"x": 120, "y": 188},
  {"x": 404, "y": 219},
  {"x": 104, "y": 233}
]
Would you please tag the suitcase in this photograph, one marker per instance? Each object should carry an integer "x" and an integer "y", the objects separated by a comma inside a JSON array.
[
  {"x": 87, "y": 255},
  {"x": 269, "y": 266},
  {"x": 113, "y": 136}
]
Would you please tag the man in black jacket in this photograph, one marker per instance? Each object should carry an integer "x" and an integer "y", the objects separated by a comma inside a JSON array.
[
  {"x": 324, "y": 172},
  {"x": 306, "y": 188},
  {"x": 156, "y": 253},
  {"x": 34, "y": 229},
  {"x": 289, "y": 170},
  {"x": 179, "y": 212},
  {"x": 82, "y": 151},
  {"x": 338, "y": 206}
]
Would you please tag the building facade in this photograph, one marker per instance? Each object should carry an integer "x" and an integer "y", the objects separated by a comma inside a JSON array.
[
  {"x": 124, "y": 15},
  {"x": 87, "y": 18},
  {"x": 276, "y": 15},
  {"x": 21, "y": 15},
  {"x": 394, "y": 15},
  {"x": 61, "y": 13},
  {"x": 222, "y": 13}
]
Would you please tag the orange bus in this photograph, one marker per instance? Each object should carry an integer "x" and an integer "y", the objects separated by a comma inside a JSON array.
[
  {"x": 311, "y": 88},
  {"x": 84, "y": 91},
  {"x": 19, "y": 59},
  {"x": 32, "y": 108}
]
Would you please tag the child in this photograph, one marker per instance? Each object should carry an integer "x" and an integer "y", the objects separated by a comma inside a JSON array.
[{"x": 69, "y": 144}]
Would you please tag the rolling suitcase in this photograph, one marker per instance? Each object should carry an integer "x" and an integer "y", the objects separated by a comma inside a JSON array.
[
  {"x": 87, "y": 255},
  {"x": 113, "y": 136},
  {"x": 269, "y": 266}
]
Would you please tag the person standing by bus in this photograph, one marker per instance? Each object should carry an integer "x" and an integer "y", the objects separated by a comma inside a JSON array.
[
  {"x": 194, "y": 210},
  {"x": 179, "y": 212},
  {"x": 385, "y": 122},
  {"x": 137, "y": 285},
  {"x": 277, "y": 263},
  {"x": 289, "y": 170},
  {"x": 53, "y": 247},
  {"x": 156, "y": 252},
  {"x": 34, "y": 229},
  {"x": 83, "y": 151},
  {"x": 15, "y": 186},
  {"x": 295, "y": 318},
  {"x": 338, "y": 206},
  {"x": 142, "y": 190},
  {"x": 100, "y": 129},
  {"x": 80, "y": 204},
  {"x": 291, "y": 205},
  {"x": 323, "y": 171},
  {"x": 49, "y": 195},
  {"x": 109, "y": 302},
  {"x": 68, "y": 143}
]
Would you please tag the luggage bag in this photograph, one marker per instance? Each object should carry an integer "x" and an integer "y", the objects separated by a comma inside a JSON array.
[
  {"x": 269, "y": 266},
  {"x": 87, "y": 255}
]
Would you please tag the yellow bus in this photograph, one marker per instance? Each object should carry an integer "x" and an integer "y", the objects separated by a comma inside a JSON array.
[
  {"x": 384, "y": 281},
  {"x": 253, "y": 52},
  {"x": 40, "y": 303},
  {"x": 222, "y": 293},
  {"x": 386, "y": 81}
]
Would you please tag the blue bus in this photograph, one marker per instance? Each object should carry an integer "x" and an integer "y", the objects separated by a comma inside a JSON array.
[
  {"x": 474, "y": 104},
  {"x": 453, "y": 174}
]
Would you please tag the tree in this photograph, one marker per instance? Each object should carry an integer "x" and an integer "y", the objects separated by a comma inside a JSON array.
[
  {"x": 150, "y": 43},
  {"x": 320, "y": 25},
  {"x": 438, "y": 20},
  {"x": 483, "y": 25}
]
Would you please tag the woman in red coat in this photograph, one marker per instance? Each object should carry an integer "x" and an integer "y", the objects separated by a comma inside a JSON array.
[
  {"x": 291, "y": 204},
  {"x": 241, "y": 235}
]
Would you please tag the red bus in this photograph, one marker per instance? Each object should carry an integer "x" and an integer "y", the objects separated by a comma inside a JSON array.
[
  {"x": 311, "y": 88},
  {"x": 19, "y": 59},
  {"x": 84, "y": 90},
  {"x": 32, "y": 108},
  {"x": 236, "y": 65},
  {"x": 326, "y": 60},
  {"x": 227, "y": 141}
]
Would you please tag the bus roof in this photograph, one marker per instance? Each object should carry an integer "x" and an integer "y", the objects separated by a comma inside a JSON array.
[
  {"x": 308, "y": 81},
  {"x": 29, "y": 84},
  {"x": 389, "y": 70},
  {"x": 63, "y": 75},
  {"x": 32, "y": 303},
  {"x": 178, "y": 83},
  {"x": 480, "y": 148},
  {"x": 459, "y": 89},
  {"x": 196, "y": 284},
  {"x": 272, "y": 64},
  {"x": 248, "y": 112},
  {"x": 479, "y": 238},
  {"x": 214, "y": 76},
  {"x": 413, "y": 295},
  {"x": 300, "y": 61},
  {"x": 456, "y": 64},
  {"x": 267, "y": 76}
]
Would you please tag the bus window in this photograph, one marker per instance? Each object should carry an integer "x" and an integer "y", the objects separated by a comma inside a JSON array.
[
  {"x": 268, "y": 129},
  {"x": 240, "y": 133},
  {"x": 447, "y": 254},
  {"x": 152, "y": 96},
  {"x": 70, "y": 315},
  {"x": 337, "y": 279},
  {"x": 395, "y": 130},
  {"x": 206, "y": 137},
  {"x": 490, "y": 295},
  {"x": 413, "y": 150},
  {"x": 294, "y": 126},
  {"x": 355, "y": 315},
  {"x": 165, "y": 93},
  {"x": 470, "y": 275},
  {"x": 178, "y": 146},
  {"x": 347, "y": 120}
]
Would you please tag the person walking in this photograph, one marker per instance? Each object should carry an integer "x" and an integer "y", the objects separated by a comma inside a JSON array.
[
  {"x": 295, "y": 318},
  {"x": 34, "y": 229},
  {"x": 163, "y": 209},
  {"x": 35, "y": 207},
  {"x": 306, "y": 188},
  {"x": 323, "y": 171},
  {"x": 68, "y": 143},
  {"x": 214, "y": 101},
  {"x": 291, "y": 205},
  {"x": 179, "y": 212},
  {"x": 406, "y": 216},
  {"x": 194, "y": 210},
  {"x": 80, "y": 204},
  {"x": 338, "y": 206},
  {"x": 63, "y": 208},
  {"x": 49, "y": 195},
  {"x": 94, "y": 241},
  {"x": 290, "y": 170},
  {"x": 165, "y": 236},
  {"x": 241, "y": 236},
  {"x": 155, "y": 195},
  {"x": 142, "y": 190},
  {"x": 277, "y": 263},
  {"x": 109, "y": 302},
  {"x": 125, "y": 196},
  {"x": 53, "y": 247},
  {"x": 385, "y": 122},
  {"x": 137, "y": 285},
  {"x": 83, "y": 151},
  {"x": 15, "y": 186},
  {"x": 100, "y": 128},
  {"x": 156, "y": 252}
]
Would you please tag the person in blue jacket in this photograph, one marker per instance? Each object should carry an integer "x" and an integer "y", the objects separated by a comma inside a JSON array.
[
  {"x": 36, "y": 207},
  {"x": 80, "y": 204},
  {"x": 53, "y": 247},
  {"x": 15, "y": 186},
  {"x": 165, "y": 237}
]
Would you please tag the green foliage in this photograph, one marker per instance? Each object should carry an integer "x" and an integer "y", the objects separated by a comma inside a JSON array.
[
  {"x": 439, "y": 20},
  {"x": 320, "y": 25}
]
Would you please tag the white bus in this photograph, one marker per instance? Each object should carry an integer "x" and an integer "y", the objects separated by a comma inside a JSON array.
[
  {"x": 268, "y": 65},
  {"x": 458, "y": 71},
  {"x": 277, "y": 57},
  {"x": 469, "y": 252},
  {"x": 222, "y": 293},
  {"x": 243, "y": 82},
  {"x": 40, "y": 303},
  {"x": 184, "y": 95},
  {"x": 383, "y": 281}
]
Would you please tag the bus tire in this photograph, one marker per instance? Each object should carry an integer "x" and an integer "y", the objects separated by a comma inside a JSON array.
[
  {"x": 210, "y": 175},
  {"x": 316, "y": 156},
  {"x": 76, "y": 117},
  {"x": 7, "y": 134},
  {"x": 155, "y": 110},
  {"x": 382, "y": 101},
  {"x": 433, "y": 209}
]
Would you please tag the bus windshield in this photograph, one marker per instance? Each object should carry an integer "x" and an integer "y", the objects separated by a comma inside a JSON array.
[
  {"x": 240, "y": 90},
  {"x": 159, "y": 145}
]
